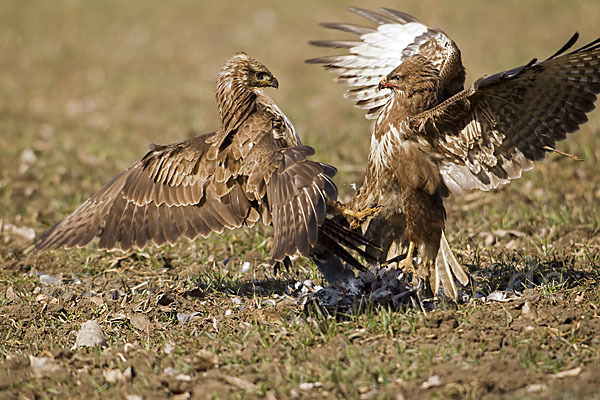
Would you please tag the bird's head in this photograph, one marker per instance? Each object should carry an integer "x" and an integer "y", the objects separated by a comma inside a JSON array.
[
  {"x": 415, "y": 74},
  {"x": 241, "y": 69},
  {"x": 238, "y": 87},
  {"x": 260, "y": 76},
  {"x": 391, "y": 81}
]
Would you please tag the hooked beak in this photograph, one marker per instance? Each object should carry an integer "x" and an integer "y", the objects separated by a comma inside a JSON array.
[
  {"x": 274, "y": 83},
  {"x": 384, "y": 84}
]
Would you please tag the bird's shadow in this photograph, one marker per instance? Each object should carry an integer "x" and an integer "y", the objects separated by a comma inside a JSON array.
[
  {"x": 243, "y": 288},
  {"x": 507, "y": 274},
  {"x": 520, "y": 273}
]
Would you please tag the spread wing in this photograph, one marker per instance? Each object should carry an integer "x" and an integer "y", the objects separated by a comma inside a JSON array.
[
  {"x": 491, "y": 132},
  {"x": 381, "y": 49},
  {"x": 177, "y": 191},
  {"x": 167, "y": 194}
]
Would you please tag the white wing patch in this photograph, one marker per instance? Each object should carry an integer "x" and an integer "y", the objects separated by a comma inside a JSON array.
[
  {"x": 387, "y": 44},
  {"x": 460, "y": 178},
  {"x": 378, "y": 52}
]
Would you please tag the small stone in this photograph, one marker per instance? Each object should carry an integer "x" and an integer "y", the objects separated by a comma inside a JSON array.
[
  {"x": 97, "y": 301},
  {"x": 10, "y": 294},
  {"x": 369, "y": 395},
  {"x": 536, "y": 387},
  {"x": 48, "y": 280},
  {"x": 183, "y": 377},
  {"x": 498, "y": 296},
  {"x": 245, "y": 267},
  {"x": 239, "y": 382},
  {"x": 41, "y": 298},
  {"x": 184, "y": 318},
  {"x": 309, "y": 385},
  {"x": 27, "y": 156},
  {"x": 270, "y": 396},
  {"x": 205, "y": 360},
  {"x": 528, "y": 311},
  {"x": 27, "y": 159},
  {"x": 23, "y": 233},
  {"x": 567, "y": 373},
  {"x": 139, "y": 321},
  {"x": 113, "y": 375},
  {"x": 169, "y": 347},
  {"x": 90, "y": 335},
  {"x": 43, "y": 366},
  {"x": 237, "y": 301},
  {"x": 433, "y": 381}
]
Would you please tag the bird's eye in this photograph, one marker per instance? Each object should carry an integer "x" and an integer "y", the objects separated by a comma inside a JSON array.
[
  {"x": 261, "y": 76},
  {"x": 395, "y": 77}
]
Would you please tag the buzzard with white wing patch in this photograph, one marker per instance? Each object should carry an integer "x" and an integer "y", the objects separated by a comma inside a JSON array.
[{"x": 432, "y": 137}]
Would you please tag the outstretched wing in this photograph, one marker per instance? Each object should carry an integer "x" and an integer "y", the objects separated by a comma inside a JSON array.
[
  {"x": 175, "y": 191},
  {"x": 167, "y": 194},
  {"x": 491, "y": 132},
  {"x": 380, "y": 50}
]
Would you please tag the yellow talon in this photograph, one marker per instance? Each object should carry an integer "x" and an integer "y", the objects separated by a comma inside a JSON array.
[{"x": 353, "y": 217}]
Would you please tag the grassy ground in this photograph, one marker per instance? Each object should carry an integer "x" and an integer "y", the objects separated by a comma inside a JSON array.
[{"x": 85, "y": 86}]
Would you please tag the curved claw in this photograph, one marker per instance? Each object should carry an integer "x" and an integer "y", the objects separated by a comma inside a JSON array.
[
  {"x": 356, "y": 217},
  {"x": 353, "y": 217}
]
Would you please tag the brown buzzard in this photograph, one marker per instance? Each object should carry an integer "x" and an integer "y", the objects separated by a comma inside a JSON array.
[
  {"x": 253, "y": 168},
  {"x": 432, "y": 137}
]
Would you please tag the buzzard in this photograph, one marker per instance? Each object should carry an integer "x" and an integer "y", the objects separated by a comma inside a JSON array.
[
  {"x": 433, "y": 137},
  {"x": 254, "y": 167}
]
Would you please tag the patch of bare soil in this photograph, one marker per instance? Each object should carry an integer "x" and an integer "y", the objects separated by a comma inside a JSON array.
[{"x": 200, "y": 338}]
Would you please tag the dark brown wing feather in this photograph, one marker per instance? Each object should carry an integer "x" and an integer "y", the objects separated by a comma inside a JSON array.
[
  {"x": 491, "y": 132},
  {"x": 165, "y": 195},
  {"x": 296, "y": 191}
]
